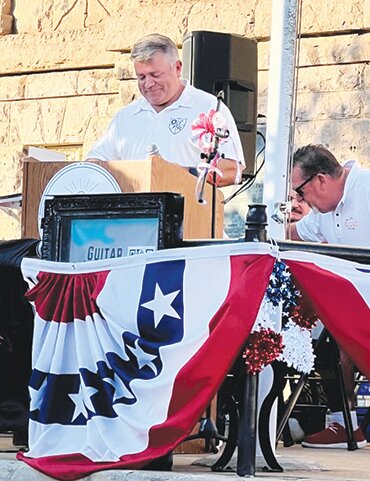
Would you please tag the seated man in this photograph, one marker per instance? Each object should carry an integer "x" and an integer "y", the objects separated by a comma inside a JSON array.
[
  {"x": 163, "y": 116},
  {"x": 339, "y": 197},
  {"x": 299, "y": 208}
]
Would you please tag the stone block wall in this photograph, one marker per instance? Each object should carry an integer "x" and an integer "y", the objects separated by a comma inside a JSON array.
[{"x": 65, "y": 69}]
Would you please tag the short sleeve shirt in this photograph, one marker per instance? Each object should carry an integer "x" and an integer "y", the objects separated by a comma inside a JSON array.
[
  {"x": 349, "y": 223},
  {"x": 138, "y": 125}
]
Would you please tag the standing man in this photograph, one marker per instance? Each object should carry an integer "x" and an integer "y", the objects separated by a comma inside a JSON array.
[
  {"x": 339, "y": 197},
  {"x": 164, "y": 114}
]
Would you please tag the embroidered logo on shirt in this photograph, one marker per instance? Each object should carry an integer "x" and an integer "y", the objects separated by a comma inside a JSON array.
[
  {"x": 351, "y": 224},
  {"x": 176, "y": 125}
]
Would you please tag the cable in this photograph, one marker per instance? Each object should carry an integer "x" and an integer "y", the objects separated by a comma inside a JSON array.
[{"x": 250, "y": 181}]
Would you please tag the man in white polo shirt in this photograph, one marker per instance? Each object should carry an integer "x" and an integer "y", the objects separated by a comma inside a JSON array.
[
  {"x": 163, "y": 116},
  {"x": 339, "y": 197}
]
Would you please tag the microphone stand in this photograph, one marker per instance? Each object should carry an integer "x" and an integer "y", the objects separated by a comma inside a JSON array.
[
  {"x": 219, "y": 134},
  {"x": 213, "y": 208}
]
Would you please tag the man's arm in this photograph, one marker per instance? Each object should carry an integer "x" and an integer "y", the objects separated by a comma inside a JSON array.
[
  {"x": 230, "y": 169},
  {"x": 292, "y": 232}
]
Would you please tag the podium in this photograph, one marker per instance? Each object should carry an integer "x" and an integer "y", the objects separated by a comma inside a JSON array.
[{"x": 152, "y": 175}]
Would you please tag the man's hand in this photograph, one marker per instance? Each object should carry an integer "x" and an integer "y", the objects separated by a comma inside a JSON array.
[{"x": 229, "y": 168}]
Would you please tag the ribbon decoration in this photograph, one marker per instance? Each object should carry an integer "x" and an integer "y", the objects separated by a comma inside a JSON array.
[
  {"x": 209, "y": 130},
  {"x": 205, "y": 128},
  {"x": 205, "y": 169}
]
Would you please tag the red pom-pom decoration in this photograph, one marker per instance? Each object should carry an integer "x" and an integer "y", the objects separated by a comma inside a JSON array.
[
  {"x": 303, "y": 318},
  {"x": 262, "y": 348}
]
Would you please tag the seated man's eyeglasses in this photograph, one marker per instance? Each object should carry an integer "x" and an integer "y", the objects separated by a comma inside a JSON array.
[{"x": 300, "y": 187}]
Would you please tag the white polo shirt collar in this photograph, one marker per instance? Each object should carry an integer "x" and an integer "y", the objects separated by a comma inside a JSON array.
[
  {"x": 186, "y": 99},
  {"x": 350, "y": 181},
  {"x": 351, "y": 178}
]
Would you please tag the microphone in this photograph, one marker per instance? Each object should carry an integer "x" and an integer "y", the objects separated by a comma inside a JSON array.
[
  {"x": 152, "y": 149},
  {"x": 282, "y": 209}
]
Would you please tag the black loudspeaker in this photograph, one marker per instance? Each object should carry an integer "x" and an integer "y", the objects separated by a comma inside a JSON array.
[{"x": 214, "y": 61}]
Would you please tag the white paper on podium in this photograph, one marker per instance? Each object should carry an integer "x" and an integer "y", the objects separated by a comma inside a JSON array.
[{"x": 45, "y": 154}]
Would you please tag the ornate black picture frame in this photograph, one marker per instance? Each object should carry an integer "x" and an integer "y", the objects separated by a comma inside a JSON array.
[{"x": 79, "y": 228}]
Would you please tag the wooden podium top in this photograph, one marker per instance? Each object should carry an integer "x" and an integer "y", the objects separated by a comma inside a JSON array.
[{"x": 152, "y": 175}]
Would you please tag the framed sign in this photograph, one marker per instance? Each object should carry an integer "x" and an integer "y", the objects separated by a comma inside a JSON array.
[{"x": 79, "y": 228}]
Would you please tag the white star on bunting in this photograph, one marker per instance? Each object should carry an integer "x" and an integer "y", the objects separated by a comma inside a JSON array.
[
  {"x": 88, "y": 392},
  {"x": 37, "y": 396},
  {"x": 143, "y": 358},
  {"x": 78, "y": 400},
  {"x": 161, "y": 305},
  {"x": 120, "y": 390}
]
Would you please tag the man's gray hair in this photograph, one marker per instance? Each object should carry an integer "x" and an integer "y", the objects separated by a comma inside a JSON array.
[
  {"x": 145, "y": 48},
  {"x": 314, "y": 159}
]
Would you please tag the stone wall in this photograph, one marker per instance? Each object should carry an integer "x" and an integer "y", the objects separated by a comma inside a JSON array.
[{"x": 65, "y": 69}]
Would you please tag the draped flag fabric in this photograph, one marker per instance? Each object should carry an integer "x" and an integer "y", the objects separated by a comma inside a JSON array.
[
  {"x": 339, "y": 291},
  {"x": 127, "y": 354}
]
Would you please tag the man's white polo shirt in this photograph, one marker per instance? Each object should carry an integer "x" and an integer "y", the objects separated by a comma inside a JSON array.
[
  {"x": 138, "y": 126},
  {"x": 349, "y": 223}
]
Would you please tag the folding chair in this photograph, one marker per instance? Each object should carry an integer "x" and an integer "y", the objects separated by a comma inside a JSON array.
[{"x": 302, "y": 381}]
